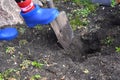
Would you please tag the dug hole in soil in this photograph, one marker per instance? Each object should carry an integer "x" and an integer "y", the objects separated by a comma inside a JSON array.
[{"x": 88, "y": 58}]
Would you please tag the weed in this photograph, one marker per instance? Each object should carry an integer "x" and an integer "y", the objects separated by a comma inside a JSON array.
[
  {"x": 25, "y": 64},
  {"x": 37, "y": 64},
  {"x": 1, "y": 76},
  {"x": 7, "y": 74},
  {"x": 77, "y": 23},
  {"x": 85, "y": 4},
  {"x": 38, "y": 27},
  {"x": 78, "y": 2},
  {"x": 81, "y": 12},
  {"x": 78, "y": 17},
  {"x": 22, "y": 30},
  {"x": 35, "y": 77},
  {"x": 23, "y": 42},
  {"x": 108, "y": 41},
  {"x": 117, "y": 49},
  {"x": 113, "y": 3},
  {"x": 10, "y": 50}
]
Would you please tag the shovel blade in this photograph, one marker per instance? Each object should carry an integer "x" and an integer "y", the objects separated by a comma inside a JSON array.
[{"x": 63, "y": 30}]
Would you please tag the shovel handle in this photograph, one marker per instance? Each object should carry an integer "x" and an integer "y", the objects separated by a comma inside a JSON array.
[{"x": 50, "y": 4}]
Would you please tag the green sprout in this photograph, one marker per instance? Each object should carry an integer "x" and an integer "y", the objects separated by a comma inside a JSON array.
[
  {"x": 23, "y": 42},
  {"x": 22, "y": 30},
  {"x": 10, "y": 50},
  {"x": 38, "y": 27},
  {"x": 7, "y": 74},
  {"x": 35, "y": 77},
  {"x": 113, "y": 3},
  {"x": 117, "y": 49},
  {"x": 108, "y": 41},
  {"x": 79, "y": 17},
  {"x": 37, "y": 64},
  {"x": 25, "y": 64},
  {"x": 1, "y": 76}
]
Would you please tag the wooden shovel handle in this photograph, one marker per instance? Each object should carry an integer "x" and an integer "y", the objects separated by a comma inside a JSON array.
[{"x": 50, "y": 4}]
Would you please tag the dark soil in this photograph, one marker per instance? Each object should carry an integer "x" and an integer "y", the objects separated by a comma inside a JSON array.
[{"x": 88, "y": 58}]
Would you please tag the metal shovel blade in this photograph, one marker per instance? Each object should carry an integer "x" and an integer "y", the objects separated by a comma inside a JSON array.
[{"x": 63, "y": 30}]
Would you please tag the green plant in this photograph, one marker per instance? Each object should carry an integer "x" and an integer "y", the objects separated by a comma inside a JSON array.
[
  {"x": 77, "y": 23},
  {"x": 10, "y": 50},
  {"x": 78, "y": 17},
  {"x": 38, "y": 27},
  {"x": 7, "y": 74},
  {"x": 25, "y": 64},
  {"x": 1, "y": 76},
  {"x": 78, "y": 2},
  {"x": 37, "y": 64},
  {"x": 85, "y": 3},
  {"x": 23, "y": 42},
  {"x": 117, "y": 49},
  {"x": 35, "y": 77},
  {"x": 113, "y": 3},
  {"x": 84, "y": 12},
  {"x": 22, "y": 30},
  {"x": 108, "y": 41}
]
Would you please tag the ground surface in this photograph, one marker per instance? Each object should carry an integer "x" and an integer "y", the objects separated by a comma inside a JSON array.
[{"x": 91, "y": 56}]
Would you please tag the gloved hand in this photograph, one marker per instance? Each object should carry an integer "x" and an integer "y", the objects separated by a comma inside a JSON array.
[
  {"x": 8, "y": 33},
  {"x": 39, "y": 16},
  {"x": 34, "y": 15}
]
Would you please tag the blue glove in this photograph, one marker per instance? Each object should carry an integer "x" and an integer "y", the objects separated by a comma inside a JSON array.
[
  {"x": 8, "y": 33},
  {"x": 39, "y": 16}
]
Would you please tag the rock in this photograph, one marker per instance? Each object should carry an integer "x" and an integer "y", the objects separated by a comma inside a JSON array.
[{"x": 9, "y": 12}]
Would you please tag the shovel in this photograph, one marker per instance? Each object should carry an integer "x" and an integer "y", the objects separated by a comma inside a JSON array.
[{"x": 61, "y": 27}]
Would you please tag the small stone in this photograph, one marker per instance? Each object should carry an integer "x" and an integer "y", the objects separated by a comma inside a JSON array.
[{"x": 64, "y": 66}]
